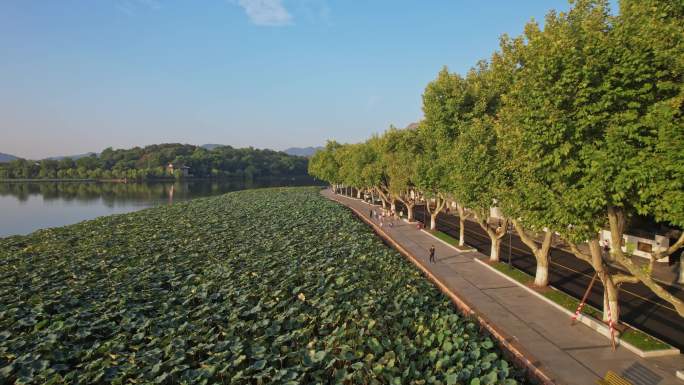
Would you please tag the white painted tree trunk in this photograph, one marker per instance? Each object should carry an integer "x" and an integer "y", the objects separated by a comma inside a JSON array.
[
  {"x": 496, "y": 249},
  {"x": 610, "y": 298},
  {"x": 409, "y": 212},
  {"x": 461, "y": 231},
  {"x": 358, "y": 194},
  {"x": 393, "y": 206},
  {"x": 433, "y": 221},
  {"x": 541, "y": 278}
]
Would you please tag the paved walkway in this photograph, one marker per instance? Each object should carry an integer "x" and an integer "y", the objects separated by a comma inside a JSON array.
[{"x": 566, "y": 354}]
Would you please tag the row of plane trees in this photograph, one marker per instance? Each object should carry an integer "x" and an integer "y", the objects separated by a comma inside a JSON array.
[{"x": 567, "y": 130}]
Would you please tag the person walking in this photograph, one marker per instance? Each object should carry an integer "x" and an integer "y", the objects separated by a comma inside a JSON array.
[
  {"x": 370, "y": 212},
  {"x": 432, "y": 254}
]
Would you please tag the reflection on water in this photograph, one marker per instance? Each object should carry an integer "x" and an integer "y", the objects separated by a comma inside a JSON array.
[{"x": 28, "y": 206}]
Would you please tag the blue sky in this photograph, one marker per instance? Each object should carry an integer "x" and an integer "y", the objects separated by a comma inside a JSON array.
[{"x": 78, "y": 76}]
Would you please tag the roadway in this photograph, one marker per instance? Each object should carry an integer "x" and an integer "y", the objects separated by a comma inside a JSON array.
[{"x": 638, "y": 305}]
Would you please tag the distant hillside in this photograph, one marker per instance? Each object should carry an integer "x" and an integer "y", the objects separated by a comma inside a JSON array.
[
  {"x": 169, "y": 160},
  {"x": 413, "y": 126},
  {"x": 73, "y": 157},
  {"x": 302, "y": 151},
  {"x": 4, "y": 158},
  {"x": 210, "y": 146}
]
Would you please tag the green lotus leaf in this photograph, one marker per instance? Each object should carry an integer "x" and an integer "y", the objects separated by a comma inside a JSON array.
[{"x": 207, "y": 291}]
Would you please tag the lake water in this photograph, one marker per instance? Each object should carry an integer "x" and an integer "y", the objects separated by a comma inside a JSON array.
[{"x": 29, "y": 206}]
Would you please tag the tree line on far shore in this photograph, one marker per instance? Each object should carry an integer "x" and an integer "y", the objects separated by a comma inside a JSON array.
[
  {"x": 152, "y": 162},
  {"x": 567, "y": 130}
]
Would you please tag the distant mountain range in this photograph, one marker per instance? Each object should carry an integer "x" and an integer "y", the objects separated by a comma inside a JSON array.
[
  {"x": 73, "y": 157},
  {"x": 296, "y": 151},
  {"x": 211, "y": 146},
  {"x": 302, "y": 151},
  {"x": 4, "y": 158}
]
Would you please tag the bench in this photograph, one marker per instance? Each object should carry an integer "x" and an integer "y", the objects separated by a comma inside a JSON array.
[{"x": 613, "y": 378}]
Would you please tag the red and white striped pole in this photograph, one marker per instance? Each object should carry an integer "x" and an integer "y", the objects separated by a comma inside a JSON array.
[
  {"x": 584, "y": 299},
  {"x": 577, "y": 313}
]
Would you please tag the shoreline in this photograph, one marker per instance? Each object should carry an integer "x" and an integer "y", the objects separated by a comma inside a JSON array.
[{"x": 38, "y": 180}]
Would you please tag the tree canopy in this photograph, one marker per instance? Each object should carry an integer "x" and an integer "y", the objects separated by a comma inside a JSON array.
[{"x": 572, "y": 129}]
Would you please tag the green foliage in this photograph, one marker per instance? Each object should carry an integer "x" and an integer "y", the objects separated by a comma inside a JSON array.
[
  {"x": 645, "y": 128},
  {"x": 323, "y": 164},
  {"x": 432, "y": 168},
  {"x": 446, "y": 104},
  {"x": 400, "y": 151},
  {"x": 547, "y": 108},
  {"x": 260, "y": 286},
  {"x": 349, "y": 171},
  {"x": 151, "y": 162},
  {"x": 595, "y": 116},
  {"x": 478, "y": 174}
]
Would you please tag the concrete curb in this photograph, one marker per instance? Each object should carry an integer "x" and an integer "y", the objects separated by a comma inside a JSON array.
[
  {"x": 524, "y": 359},
  {"x": 594, "y": 324}
]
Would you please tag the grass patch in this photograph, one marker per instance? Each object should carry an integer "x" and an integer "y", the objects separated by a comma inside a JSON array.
[
  {"x": 633, "y": 336},
  {"x": 571, "y": 303},
  {"x": 642, "y": 340},
  {"x": 445, "y": 237},
  {"x": 514, "y": 273}
]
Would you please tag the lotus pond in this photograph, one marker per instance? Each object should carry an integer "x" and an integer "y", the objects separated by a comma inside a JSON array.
[{"x": 258, "y": 286}]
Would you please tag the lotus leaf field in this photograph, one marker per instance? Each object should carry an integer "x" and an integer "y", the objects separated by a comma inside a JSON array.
[{"x": 260, "y": 286}]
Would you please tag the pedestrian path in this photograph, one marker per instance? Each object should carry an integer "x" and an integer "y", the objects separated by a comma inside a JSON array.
[{"x": 563, "y": 353}]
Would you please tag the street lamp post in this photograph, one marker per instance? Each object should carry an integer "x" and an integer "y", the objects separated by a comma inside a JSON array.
[{"x": 510, "y": 231}]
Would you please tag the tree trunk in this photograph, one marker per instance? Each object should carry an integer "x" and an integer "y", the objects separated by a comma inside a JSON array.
[
  {"x": 610, "y": 290},
  {"x": 393, "y": 206},
  {"x": 409, "y": 212},
  {"x": 433, "y": 220},
  {"x": 383, "y": 197},
  {"x": 541, "y": 254},
  {"x": 610, "y": 299},
  {"x": 372, "y": 197},
  {"x": 541, "y": 277},
  {"x": 494, "y": 235},
  {"x": 358, "y": 194},
  {"x": 461, "y": 224},
  {"x": 496, "y": 249}
]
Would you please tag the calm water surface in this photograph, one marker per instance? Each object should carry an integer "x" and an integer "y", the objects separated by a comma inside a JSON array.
[{"x": 29, "y": 206}]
